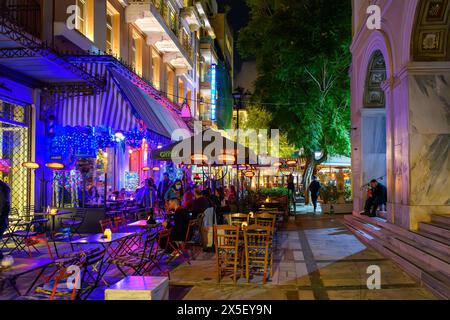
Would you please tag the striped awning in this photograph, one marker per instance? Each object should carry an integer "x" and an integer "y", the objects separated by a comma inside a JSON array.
[
  {"x": 157, "y": 117},
  {"x": 121, "y": 107},
  {"x": 107, "y": 109}
]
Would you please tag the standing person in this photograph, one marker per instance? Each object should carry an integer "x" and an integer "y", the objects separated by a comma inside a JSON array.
[
  {"x": 149, "y": 195},
  {"x": 379, "y": 195},
  {"x": 232, "y": 195},
  {"x": 5, "y": 208},
  {"x": 314, "y": 188},
  {"x": 291, "y": 189},
  {"x": 188, "y": 199},
  {"x": 200, "y": 203},
  {"x": 163, "y": 187}
]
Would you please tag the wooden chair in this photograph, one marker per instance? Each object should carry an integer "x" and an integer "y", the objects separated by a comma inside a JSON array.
[
  {"x": 228, "y": 255},
  {"x": 238, "y": 219},
  {"x": 266, "y": 220},
  {"x": 257, "y": 240}
]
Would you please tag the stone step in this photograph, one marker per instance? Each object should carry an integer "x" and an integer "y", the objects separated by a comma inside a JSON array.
[
  {"x": 417, "y": 251},
  {"x": 382, "y": 214},
  {"x": 367, "y": 227},
  {"x": 436, "y": 281},
  {"x": 427, "y": 239},
  {"x": 439, "y": 229},
  {"x": 438, "y": 218}
]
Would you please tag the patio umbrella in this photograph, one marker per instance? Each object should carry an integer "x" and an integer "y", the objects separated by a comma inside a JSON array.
[{"x": 209, "y": 147}]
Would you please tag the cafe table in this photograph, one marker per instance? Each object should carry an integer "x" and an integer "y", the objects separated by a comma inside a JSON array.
[
  {"x": 144, "y": 225},
  {"x": 115, "y": 246},
  {"x": 22, "y": 267},
  {"x": 53, "y": 216}
]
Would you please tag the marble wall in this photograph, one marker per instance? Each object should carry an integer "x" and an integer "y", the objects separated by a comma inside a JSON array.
[{"x": 429, "y": 114}]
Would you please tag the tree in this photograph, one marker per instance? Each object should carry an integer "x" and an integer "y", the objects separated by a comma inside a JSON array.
[
  {"x": 259, "y": 118},
  {"x": 302, "y": 55}
]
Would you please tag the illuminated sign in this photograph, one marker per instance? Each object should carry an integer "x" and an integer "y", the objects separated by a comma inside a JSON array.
[{"x": 213, "y": 91}]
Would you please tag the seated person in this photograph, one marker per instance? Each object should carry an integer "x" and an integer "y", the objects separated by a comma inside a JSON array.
[{"x": 180, "y": 223}]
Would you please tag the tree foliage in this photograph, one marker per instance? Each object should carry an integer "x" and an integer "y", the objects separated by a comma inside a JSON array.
[{"x": 301, "y": 49}]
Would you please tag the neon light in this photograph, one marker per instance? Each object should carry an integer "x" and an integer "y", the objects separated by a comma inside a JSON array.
[{"x": 213, "y": 91}]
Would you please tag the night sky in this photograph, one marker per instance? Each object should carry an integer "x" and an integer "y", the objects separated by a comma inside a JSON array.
[{"x": 238, "y": 17}]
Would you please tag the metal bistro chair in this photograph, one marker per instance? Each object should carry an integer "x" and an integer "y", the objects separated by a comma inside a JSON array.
[
  {"x": 228, "y": 255},
  {"x": 105, "y": 223},
  {"x": 138, "y": 260},
  {"x": 75, "y": 222},
  {"x": 82, "y": 284},
  {"x": 257, "y": 240},
  {"x": 23, "y": 239}
]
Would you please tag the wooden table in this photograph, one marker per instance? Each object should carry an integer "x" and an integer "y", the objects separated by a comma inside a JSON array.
[{"x": 23, "y": 266}]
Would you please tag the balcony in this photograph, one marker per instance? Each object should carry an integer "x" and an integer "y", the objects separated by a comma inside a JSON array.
[
  {"x": 163, "y": 29},
  {"x": 189, "y": 13},
  {"x": 26, "y": 14}
]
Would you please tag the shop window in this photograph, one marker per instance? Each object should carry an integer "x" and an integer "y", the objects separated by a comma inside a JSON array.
[{"x": 15, "y": 150}]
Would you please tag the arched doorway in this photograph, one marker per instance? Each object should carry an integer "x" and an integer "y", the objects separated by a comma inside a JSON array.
[{"x": 373, "y": 126}]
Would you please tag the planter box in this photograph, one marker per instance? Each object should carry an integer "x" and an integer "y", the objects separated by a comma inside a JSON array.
[{"x": 338, "y": 208}]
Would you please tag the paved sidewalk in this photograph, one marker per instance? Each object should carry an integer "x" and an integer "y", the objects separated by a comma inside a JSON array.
[{"x": 316, "y": 258}]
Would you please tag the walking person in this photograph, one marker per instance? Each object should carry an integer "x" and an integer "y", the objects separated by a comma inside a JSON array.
[
  {"x": 314, "y": 189},
  {"x": 163, "y": 187},
  {"x": 291, "y": 190},
  {"x": 5, "y": 208}
]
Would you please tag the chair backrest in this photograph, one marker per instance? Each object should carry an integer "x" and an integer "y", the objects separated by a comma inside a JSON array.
[
  {"x": 266, "y": 220},
  {"x": 105, "y": 223},
  {"x": 257, "y": 239},
  {"x": 80, "y": 214},
  {"x": 150, "y": 243},
  {"x": 226, "y": 237},
  {"x": 193, "y": 224},
  {"x": 118, "y": 222},
  {"x": 238, "y": 218}
]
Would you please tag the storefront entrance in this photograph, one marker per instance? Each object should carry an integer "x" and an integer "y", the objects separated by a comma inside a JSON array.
[{"x": 15, "y": 150}]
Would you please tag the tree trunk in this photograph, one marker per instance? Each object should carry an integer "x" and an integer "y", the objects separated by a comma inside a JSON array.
[
  {"x": 310, "y": 170},
  {"x": 307, "y": 175}
]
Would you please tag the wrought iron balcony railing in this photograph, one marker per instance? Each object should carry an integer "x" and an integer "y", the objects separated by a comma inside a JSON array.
[{"x": 24, "y": 13}]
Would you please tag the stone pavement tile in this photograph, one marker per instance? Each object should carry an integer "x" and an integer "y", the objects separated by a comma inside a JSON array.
[
  {"x": 306, "y": 295},
  {"x": 383, "y": 294},
  {"x": 298, "y": 255},
  {"x": 235, "y": 293}
]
